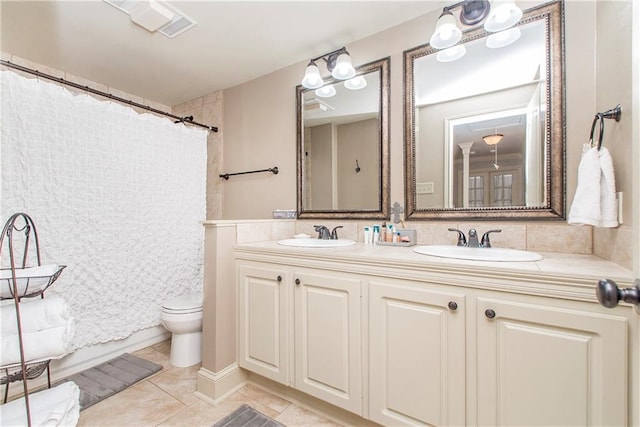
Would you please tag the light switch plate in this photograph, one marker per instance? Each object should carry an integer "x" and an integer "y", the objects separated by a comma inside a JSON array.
[{"x": 424, "y": 188}]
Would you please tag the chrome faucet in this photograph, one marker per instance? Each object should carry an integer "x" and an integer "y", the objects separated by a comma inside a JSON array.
[
  {"x": 334, "y": 232},
  {"x": 473, "y": 238},
  {"x": 323, "y": 232}
]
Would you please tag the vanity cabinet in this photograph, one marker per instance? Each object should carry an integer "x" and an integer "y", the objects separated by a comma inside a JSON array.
[
  {"x": 416, "y": 354},
  {"x": 263, "y": 322},
  {"x": 302, "y": 328},
  {"x": 413, "y": 343},
  {"x": 550, "y": 365}
]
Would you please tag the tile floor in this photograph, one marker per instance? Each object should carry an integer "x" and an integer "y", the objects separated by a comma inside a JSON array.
[{"x": 167, "y": 399}]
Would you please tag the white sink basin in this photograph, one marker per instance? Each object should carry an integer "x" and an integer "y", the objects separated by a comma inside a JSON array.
[
  {"x": 316, "y": 243},
  {"x": 478, "y": 254}
]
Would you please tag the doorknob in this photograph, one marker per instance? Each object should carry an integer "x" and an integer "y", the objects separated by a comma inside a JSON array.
[{"x": 609, "y": 293}]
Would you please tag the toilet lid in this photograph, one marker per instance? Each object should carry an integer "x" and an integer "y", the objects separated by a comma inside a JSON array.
[{"x": 190, "y": 302}]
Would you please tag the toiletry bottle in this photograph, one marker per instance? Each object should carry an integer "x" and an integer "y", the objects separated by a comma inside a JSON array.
[
  {"x": 389, "y": 234},
  {"x": 376, "y": 233},
  {"x": 367, "y": 235},
  {"x": 383, "y": 232}
]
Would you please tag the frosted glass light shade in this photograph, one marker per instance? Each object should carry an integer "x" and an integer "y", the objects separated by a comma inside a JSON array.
[
  {"x": 493, "y": 139},
  {"x": 504, "y": 14},
  {"x": 447, "y": 32},
  {"x": 326, "y": 91},
  {"x": 503, "y": 38},
  {"x": 312, "y": 78},
  {"x": 344, "y": 68},
  {"x": 451, "y": 54},
  {"x": 356, "y": 83}
]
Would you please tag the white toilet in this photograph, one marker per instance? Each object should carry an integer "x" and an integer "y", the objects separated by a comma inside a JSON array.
[{"x": 182, "y": 316}]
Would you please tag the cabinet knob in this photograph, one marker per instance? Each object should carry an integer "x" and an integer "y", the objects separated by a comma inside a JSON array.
[
  {"x": 609, "y": 293},
  {"x": 490, "y": 313},
  {"x": 453, "y": 305},
  {"x": 279, "y": 279},
  {"x": 297, "y": 281}
]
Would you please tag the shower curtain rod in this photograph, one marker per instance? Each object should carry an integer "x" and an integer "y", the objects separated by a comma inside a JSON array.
[{"x": 187, "y": 119}]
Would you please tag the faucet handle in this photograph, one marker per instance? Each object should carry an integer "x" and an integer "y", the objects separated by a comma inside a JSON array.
[
  {"x": 323, "y": 232},
  {"x": 334, "y": 232},
  {"x": 485, "y": 243},
  {"x": 462, "y": 241}
]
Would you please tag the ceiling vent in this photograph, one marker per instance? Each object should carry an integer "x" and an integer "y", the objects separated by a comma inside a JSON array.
[{"x": 155, "y": 15}]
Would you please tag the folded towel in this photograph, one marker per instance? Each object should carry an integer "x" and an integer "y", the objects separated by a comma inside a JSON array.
[
  {"x": 57, "y": 406},
  {"x": 28, "y": 280},
  {"x": 585, "y": 208},
  {"x": 52, "y": 343},
  {"x": 608, "y": 202},
  {"x": 36, "y": 315}
]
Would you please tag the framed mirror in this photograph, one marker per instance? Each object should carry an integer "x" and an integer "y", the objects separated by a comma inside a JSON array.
[
  {"x": 343, "y": 146},
  {"x": 484, "y": 133}
]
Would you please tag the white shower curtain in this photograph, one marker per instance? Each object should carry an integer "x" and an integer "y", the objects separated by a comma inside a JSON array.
[{"x": 117, "y": 196}]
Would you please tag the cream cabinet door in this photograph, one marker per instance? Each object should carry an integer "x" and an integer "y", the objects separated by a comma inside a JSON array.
[
  {"x": 263, "y": 324},
  {"x": 328, "y": 338},
  {"x": 416, "y": 355},
  {"x": 540, "y": 365}
]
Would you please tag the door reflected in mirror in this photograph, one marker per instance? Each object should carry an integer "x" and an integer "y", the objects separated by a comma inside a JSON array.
[
  {"x": 343, "y": 146},
  {"x": 510, "y": 89}
]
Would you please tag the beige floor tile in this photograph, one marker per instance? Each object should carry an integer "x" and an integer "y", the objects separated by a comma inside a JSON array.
[
  {"x": 238, "y": 398},
  {"x": 199, "y": 414},
  {"x": 265, "y": 398},
  {"x": 180, "y": 383},
  {"x": 297, "y": 416},
  {"x": 143, "y": 404}
]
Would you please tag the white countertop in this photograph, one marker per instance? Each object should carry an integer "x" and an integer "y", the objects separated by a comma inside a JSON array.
[{"x": 561, "y": 268}]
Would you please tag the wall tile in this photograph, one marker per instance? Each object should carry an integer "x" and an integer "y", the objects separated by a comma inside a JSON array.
[{"x": 559, "y": 238}]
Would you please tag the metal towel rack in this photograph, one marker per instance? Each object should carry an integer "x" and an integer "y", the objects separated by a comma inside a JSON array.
[
  {"x": 614, "y": 113},
  {"x": 226, "y": 176}
]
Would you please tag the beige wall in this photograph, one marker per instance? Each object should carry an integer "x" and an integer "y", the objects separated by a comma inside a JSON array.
[
  {"x": 613, "y": 83},
  {"x": 260, "y": 117}
]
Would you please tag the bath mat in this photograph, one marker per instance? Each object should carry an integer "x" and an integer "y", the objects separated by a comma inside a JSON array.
[
  {"x": 246, "y": 416},
  {"x": 111, "y": 377}
]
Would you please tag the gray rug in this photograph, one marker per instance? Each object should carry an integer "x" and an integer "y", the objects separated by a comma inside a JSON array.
[
  {"x": 111, "y": 377},
  {"x": 246, "y": 416}
]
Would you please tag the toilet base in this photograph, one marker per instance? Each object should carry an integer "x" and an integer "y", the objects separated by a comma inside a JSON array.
[{"x": 186, "y": 349}]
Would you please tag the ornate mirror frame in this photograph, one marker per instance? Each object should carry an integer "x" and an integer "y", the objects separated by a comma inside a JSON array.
[
  {"x": 383, "y": 209},
  {"x": 555, "y": 194}
]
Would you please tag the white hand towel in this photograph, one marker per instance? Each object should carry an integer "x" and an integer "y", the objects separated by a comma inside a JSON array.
[
  {"x": 50, "y": 343},
  {"x": 57, "y": 406},
  {"x": 36, "y": 315},
  {"x": 608, "y": 202},
  {"x": 585, "y": 208}
]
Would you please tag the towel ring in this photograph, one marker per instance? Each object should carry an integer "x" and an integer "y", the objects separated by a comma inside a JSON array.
[
  {"x": 597, "y": 118},
  {"x": 614, "y": 113}
]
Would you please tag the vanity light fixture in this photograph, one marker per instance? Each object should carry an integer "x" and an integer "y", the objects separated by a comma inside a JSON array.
[
  {"x": 356, "y": 83},
  {"x": 451, "y": 54},
  {"x": 326, "y": 91},
  {"x": 503, "y": 38},
  {"x": 338, "y": 63},
  {"x": 499, "y": 15}
]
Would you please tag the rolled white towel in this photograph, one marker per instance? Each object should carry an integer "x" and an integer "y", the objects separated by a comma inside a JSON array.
[
  {"x": 57, "y": 406},
  {"x": 36, "y": 314},
  {"x": 608, "y": 202},
  {"x": 585, "y": 208},
  {"x": 52, "y": 343}
]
